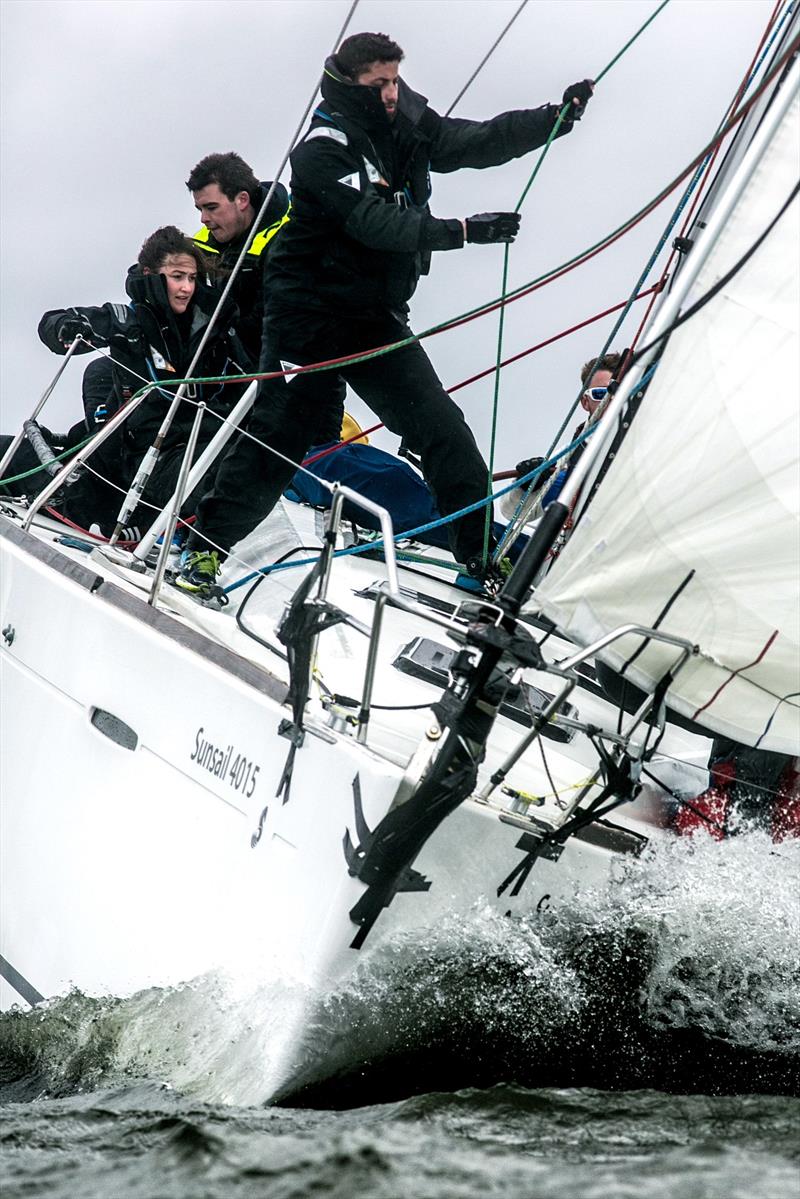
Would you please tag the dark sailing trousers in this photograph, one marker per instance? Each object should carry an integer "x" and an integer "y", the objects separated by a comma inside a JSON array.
[{"x": 290, "y": 415}]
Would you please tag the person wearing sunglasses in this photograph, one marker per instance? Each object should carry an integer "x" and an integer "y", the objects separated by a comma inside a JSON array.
[{"x": 596, "y": 377}]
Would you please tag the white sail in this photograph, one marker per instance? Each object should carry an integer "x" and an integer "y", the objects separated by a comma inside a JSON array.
[{"x": 706, "y": 487}]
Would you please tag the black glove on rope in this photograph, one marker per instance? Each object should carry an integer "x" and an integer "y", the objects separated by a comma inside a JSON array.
[
  {"x": 74, "y": 326},
  {"x": 527, "y": 465},
  {"x": 578, "y": 96},
  {"x": 488, "y": 227}
]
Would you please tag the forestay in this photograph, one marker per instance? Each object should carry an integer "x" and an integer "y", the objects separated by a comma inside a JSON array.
[{"x": 708, "y": 481}]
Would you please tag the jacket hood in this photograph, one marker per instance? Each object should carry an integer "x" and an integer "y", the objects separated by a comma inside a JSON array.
[
  {"x": 363, "y": 104},
  {"x": 152, "y": 290}
]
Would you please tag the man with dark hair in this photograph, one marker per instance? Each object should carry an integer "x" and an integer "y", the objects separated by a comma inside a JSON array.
[
  {"x": 357, "y": 53},
  {"x": 228, "y": 196},
  {"x": 341, "y": 276}
]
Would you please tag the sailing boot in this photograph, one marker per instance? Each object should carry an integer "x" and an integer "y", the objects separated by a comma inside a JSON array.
[{"x": 198, "y": 575}]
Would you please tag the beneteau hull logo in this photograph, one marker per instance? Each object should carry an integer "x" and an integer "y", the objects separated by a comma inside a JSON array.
[{"x": 225, "y": 763}]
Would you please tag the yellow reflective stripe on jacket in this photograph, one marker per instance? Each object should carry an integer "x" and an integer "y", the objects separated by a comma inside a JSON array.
[
  {"x": 262, "y": 239},
  {"x": 201, "y": 239},
  {"x": 258, "y": 244}
]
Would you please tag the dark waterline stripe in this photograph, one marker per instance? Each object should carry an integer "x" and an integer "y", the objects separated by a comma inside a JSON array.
[{"x": 20, "y": 984}]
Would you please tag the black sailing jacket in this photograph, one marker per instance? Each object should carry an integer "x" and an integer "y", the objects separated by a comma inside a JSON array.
[
  {"x": 361, "y": 231},
  {"x": 248, "y": 287},
  {"x": 148, "y": 341}
]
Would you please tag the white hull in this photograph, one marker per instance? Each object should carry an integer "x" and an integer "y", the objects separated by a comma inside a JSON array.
[{"x": 127, "y": 868}]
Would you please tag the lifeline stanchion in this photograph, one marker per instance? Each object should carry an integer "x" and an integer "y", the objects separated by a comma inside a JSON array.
[
  {"x": 151, "y": 457},
  {"x": 177, "y": 501},
  {"x": 44, "y": 397}
]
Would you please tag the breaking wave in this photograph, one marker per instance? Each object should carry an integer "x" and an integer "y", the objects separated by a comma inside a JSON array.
[{"x": 684, "y": 975}]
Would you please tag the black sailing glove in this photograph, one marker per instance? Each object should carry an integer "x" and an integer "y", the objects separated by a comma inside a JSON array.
[
  {"x": 578, "y": 96},
  {"x": 527, "y": 465},
  {"x": 488, "y": 227},
  {"x": 72, "y": 326}
]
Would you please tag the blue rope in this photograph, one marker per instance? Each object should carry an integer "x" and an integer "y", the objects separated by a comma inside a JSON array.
[
  {"x": 646, "y": 377},
  {"x": 432, "y": 524}
]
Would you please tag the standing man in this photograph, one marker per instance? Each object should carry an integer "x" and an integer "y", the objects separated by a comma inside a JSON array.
[
  {"x": 228, "y": 196},
  {"x": 341, "y": 276}
]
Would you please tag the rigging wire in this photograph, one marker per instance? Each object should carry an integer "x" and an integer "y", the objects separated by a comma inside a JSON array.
[
  {"x": 363, "y": 432},
  {"x": 706, "y": 166},
  {"x": 148, "y": 462},
  {"x": 485, "y": 58},
  {"x": 533, "y": 285},
  {"x": 506, "y": 259},
  {"x": 554, "y": 273},
  {"x": 687, "y": 315},
  {"x": 548, "y": 462},
  {"x": 524, "y": 289},
  {"x": 703, "y": 169}
]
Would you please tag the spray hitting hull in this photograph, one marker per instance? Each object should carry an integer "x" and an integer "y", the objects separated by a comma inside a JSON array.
[{"x": 144, "y": 844}]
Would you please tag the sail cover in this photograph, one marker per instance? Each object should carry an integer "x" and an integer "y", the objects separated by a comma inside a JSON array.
[{"x": 695, "y": 527}]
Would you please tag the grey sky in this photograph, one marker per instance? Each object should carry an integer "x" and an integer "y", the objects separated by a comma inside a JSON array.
[{"x": 107, "y": 104}]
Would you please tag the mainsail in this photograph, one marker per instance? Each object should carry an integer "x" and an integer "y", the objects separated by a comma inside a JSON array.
[{"x": 695, "y": 526}]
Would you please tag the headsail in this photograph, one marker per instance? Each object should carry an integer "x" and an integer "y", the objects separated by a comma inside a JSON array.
[{"x": 696, "y": 521}]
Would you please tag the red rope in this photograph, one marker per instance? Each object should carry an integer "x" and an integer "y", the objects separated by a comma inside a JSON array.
[
  {"x": 490, "y": 371},
  {"x": 557, "y": 337},
  {"x": 331, "y": 448},
  {"x": 98, "y": 537},
  {"x": 733, "y": 675}
]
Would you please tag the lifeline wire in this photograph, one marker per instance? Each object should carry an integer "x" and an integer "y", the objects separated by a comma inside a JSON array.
[{"x": 506, "y": 256}]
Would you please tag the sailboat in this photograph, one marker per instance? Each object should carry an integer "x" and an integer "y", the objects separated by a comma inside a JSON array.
[{"x": 352, "y": 748}]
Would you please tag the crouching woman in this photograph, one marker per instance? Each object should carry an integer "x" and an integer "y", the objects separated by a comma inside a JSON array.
[{"x": 151, "y": 339}]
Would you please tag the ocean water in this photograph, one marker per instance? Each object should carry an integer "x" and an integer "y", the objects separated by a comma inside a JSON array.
[{"x": 643, "y": 1043}]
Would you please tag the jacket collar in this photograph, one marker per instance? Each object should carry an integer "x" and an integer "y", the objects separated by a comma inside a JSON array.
[
  {"x": 363, "y": 104},
  {"x": 152, "y": 291}
]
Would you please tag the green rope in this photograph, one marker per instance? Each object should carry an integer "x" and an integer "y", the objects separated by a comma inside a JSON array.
[
  {"x": 503, "y": 296},
  {"x": 523, "y": 288},
  {"x": 26, "y": 474}
]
